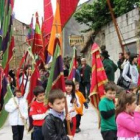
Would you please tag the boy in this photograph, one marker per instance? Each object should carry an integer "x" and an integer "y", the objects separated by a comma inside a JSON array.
[
  {"x": 38, "y": 112},
  {"x": 18, "y": 113},
  {"x": 54, "y": 126},
  {"x": 79, "y": 110},
  {"x": 107, "y": 113}
]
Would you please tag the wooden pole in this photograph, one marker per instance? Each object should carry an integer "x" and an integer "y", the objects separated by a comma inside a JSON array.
[
  {"x": 115, "y": 24},
  {"x": 68, "y": 122}
]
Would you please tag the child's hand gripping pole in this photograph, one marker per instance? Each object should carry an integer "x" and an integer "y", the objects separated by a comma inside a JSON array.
[{"x": 68, "y": 121}]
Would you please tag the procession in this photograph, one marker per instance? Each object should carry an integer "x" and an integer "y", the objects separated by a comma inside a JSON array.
[{"x": 69, "y": 70}]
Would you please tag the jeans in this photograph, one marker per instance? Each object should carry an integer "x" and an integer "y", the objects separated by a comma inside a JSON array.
[
  {"x": 37, "y": 133},
  {"x": 78, "y": 120},
  {"x": 109, "y": 135},
  {"x": 85, "y": 89},
  {"x": 18, "y": 131}
]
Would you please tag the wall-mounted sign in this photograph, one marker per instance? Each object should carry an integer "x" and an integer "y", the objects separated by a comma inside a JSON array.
[{"x": 76, "y": 40}]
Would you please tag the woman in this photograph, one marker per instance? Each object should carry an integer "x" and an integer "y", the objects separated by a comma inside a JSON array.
[
  {"x": 126, "y": 59},
  {"x": 130, "y": 71}
]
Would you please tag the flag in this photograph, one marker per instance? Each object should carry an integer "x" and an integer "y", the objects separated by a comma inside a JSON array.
[
  {"x": 3, "y": 113},
  {"x": 3, "y": 91},
  {"x": 56, "y": 78},
  {"x": 2, "y": 3},
  {"x": 20, "y": 66},
  {"x": 67, "y": 9},
  {"x": 10, "y": 56},
  {"x": 72, "y": 71},
  {"x": 99, "y": 77},
  {"x": 1, "y": 78},
  {"x": 38, "y": 46},
  {"x": 33, "y": 83},
  {"x": 30, "y": 36},
  {"x": 48, "y": 21},
  {"x": 56, "y": 31},
  {"x": 7, "y": 39}
]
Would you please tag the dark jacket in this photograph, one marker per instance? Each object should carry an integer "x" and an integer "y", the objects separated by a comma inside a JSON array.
[
  {"x": 86, "y": 74},
  {"x": 110, "y": 68},
  {"x": 54, "y": 129},
  {"x": 120, "y": 62}
]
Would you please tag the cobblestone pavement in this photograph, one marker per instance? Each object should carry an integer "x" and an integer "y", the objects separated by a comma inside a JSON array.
[{"x": 89, "y": 128}]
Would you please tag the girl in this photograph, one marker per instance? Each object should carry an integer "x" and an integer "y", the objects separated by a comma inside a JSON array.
[
  {"x": 128, "y": 117},
  {"x": 73, "y": 103},
  {"x": 25, "y": 80},
  {"x": 130, "y": 71},
  {"x": 126, "y": 59},
  {"x": 18, "y": 114},
  {"x": 80, "y": 109}
]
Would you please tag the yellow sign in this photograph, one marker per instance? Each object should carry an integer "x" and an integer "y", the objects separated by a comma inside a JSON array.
[{"x": 76, "y": 40}]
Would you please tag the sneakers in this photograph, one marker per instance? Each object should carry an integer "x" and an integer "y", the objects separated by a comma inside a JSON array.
[{"x": 78, "y": 130}]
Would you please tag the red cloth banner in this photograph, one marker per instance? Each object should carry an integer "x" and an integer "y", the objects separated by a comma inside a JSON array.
[{"x": 99, "y": 77}]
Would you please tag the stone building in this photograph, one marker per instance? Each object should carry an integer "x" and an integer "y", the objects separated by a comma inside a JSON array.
[
  {"x": 20, "y": 31},
  {"x": 129, "y": 26},
  {"x": 73, "y": 28}
]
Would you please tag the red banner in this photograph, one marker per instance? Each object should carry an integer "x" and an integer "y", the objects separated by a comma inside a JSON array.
[
  {"x": 67, "y": 8},
  {"x": 99, "y": 77}
]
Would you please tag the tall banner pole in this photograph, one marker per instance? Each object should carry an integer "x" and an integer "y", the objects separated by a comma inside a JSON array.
[{"x": 116, "y": 25}]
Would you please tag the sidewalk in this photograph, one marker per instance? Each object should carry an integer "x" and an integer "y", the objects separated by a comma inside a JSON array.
[{"x": 89, "y": 128}]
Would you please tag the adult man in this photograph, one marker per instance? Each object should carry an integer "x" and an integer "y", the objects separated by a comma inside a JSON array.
[{"x": 85, "y": 72}]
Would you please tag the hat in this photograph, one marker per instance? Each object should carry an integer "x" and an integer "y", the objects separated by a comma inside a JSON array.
[{"x": 105, "y": 54}]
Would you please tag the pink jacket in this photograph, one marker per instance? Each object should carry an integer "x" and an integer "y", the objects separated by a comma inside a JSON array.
[{"x": 128, "y": 126}]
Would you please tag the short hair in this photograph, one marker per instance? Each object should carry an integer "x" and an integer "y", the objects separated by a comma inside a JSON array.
[
  {"x": 83, "y": 59},
  {"x": 38, "y": 90},
  {"x": 121, "y": 53},
  {"x": 110, "y": 86},
  {"x": 132, "y": 58},
  {"x": 77, "y": 83},
  {"x": 128, "y": 53},
  {"x": 17, "y": 90},
  {"x": 55, "y": 94}
]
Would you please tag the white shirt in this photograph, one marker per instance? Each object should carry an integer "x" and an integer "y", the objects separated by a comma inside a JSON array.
[
  {"x": 14, "y": 115},
  {"x": 71, "y": 105},
  {"x": 133, "y": 72},
  {"x": 124, "y": 63}
]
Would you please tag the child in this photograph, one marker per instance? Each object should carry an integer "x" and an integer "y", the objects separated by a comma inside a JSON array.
[
  {"x": 54, "y": 126},
  {"x": 107, "y": 113},
  {"x": 18, "y": 113},
  {"x": 38, "y": 112},
  {"x": 128, "y": 117},
  {"x": 73, "y": 102},
  {"x": 80, "y": 109}
]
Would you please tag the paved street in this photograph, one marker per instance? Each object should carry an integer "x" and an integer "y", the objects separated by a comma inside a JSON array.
[{"x": 89, "y": 127}]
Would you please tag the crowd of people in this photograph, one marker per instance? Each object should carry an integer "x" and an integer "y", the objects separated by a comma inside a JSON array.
[
  {"x": 50, "y": 121},
  {"x": 50, "y": 117}
]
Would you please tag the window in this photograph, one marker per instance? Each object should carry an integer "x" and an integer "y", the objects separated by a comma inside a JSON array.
[{"x": 131, "y": 47}]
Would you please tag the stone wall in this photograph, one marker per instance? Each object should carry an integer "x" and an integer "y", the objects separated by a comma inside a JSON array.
[
  {"x": 20, "y": 31},
  {"x": 128, "y": 24}
]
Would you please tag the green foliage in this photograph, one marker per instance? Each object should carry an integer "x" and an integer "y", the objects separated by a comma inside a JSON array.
[{"x": 97, "y": 14}]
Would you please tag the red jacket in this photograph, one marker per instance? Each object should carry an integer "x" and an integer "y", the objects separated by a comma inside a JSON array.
[{"x": 38, "y": 113}]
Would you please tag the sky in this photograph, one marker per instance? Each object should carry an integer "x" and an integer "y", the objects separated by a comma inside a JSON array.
[{"x": 24, "y": 9}]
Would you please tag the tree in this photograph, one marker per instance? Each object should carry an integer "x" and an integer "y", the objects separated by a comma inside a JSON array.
[{"x": 97, "y": 14}]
